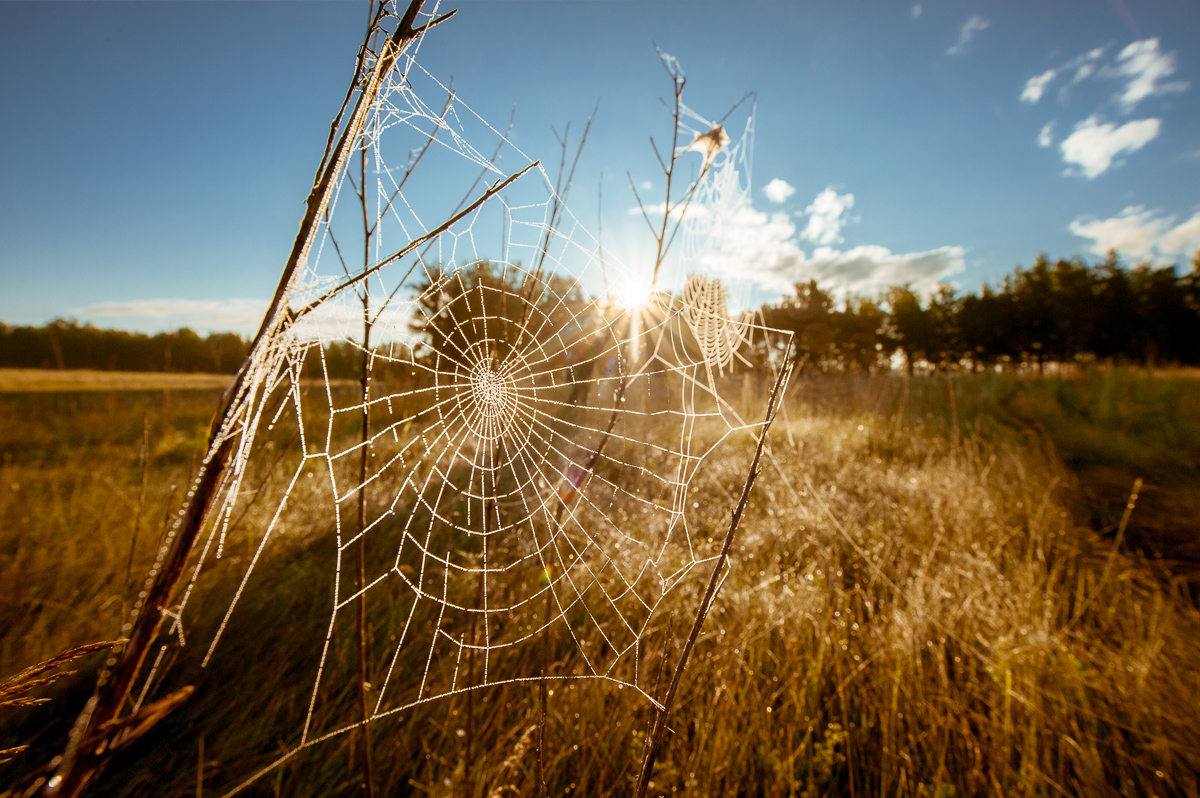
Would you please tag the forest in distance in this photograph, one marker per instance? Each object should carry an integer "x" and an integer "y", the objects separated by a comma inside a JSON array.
[{"x": 1063, "y": 311}]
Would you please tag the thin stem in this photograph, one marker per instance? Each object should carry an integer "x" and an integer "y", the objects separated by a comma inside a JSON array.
[
  {"x": 660, "y": 722},
  {"x": 363, "y": 467},
  {"x": 416, "y": 242},
  {"x": 660, "y": 253},
  {"x": 557, "y": 203}
]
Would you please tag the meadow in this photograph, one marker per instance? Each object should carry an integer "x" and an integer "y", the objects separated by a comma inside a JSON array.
[{"x": 938, "y": 589}]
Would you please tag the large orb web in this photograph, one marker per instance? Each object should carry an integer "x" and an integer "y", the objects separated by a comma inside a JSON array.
[{"x": 523, "y": 499}]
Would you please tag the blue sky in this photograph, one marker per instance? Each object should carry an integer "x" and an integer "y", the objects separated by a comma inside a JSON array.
[{"x": 157, "y": 154}]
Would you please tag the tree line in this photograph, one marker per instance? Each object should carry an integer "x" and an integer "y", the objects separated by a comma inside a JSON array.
[
  {"x": 1064, "y": 311},
  {"x": 65, "y": 344}
]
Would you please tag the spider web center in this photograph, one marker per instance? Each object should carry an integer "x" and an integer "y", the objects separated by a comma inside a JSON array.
[{"x": 494, "y": 396}]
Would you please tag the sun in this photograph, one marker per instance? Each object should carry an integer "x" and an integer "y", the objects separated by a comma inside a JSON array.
[{"x": 635, "y": 293}]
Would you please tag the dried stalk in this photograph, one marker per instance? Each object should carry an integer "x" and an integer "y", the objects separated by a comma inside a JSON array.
[
  {"x": 658, "y": 734},
  {"x": 360, "y": 571},
  {"x": 662, "y": 239},
  {"x": 361, "y": 555},
  {"x": 557, "y": 205},
  {"x": 101, "y": 713},
  {"x": 415, "y": 243},
  {"x": 27, "y": 679}
]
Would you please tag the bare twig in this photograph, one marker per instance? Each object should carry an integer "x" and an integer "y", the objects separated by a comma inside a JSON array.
[
  {"x": 541, "y": 727},
  {"x": 664, "y": 234},
  {"x": 557, "y": 204},
  {"x": 561, "y": 189},
  {"x": 414, "y": 244},
  {"x": 360, "y": 571},
  {"x": 658, "y": 734}
]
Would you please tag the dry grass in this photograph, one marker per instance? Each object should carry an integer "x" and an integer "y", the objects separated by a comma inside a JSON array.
[
  {"x": 908, "y": 614},
  {"x": 914, "y": 612},
  {"x": 66, "y": 380}
]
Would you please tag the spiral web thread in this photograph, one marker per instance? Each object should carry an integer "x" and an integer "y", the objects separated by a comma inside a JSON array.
[{"x": 532, "y": 446}]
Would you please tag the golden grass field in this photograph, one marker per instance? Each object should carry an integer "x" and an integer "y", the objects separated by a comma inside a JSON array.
[
  {"x": 917, "y": 607},
  {"x": 71, "y": 380}
]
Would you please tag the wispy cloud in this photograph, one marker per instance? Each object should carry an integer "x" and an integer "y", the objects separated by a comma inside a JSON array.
[
  {"x": 778, "y": 190},
  {"x": 1141, "y": 65},
  {"x": 827, "y": 215},
  {"x": 916, "y": 11},
  {"x": 1144, "y": 66},
  {"x": 972, "y": 26},
  {"x": 1046, "y": 136},
  {"x": 1035, "y": 87},
  {"x": 339, "y": 318},
  {"x": 1094, "y": 145},
  {"x": 1082, "y": 65},
  {"x": 1141, "y": 234},
  {"x": 234, "y": 315}
]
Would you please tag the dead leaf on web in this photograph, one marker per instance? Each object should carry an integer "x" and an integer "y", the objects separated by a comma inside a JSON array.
[{"x": 709, "y": 144}]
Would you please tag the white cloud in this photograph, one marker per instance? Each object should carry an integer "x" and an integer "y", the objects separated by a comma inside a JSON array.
[
  {"x": 778, "y": 190},
  {"x": 1035, "y": 87},
  {"x": 1133, "y": 233},
  {"x": 1141, "y": 234},
  {"x": 1184, "y": 238},
  {"x": 870, "y": 269},
  {"x": 1084, "y": 65},
  {"x": 916, "y": 11},
  {"x": 972, "y": 26},
  {"x": 750, "y": 245},
  {"x": 341, "y": 317},
  {"x": 235, "y": 315},
  {"x": 1093, "y": 146},
  {"x": 1144, "y": 66},
  {"x": 646, "y": 185},
  {"x": 1046, "y": 136},
  {"x": 827, "y": 216},
  {"x": 656, "y": 210}
]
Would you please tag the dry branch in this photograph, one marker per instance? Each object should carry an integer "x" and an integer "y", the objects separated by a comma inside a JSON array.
[
  {"x": 658, "y": 734},
  {"x": 106, "y": 706}
]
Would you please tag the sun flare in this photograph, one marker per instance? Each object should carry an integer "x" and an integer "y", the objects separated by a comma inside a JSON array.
[{"x": 635, "y": 294}]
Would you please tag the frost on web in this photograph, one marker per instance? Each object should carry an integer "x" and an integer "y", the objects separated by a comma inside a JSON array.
[{"x": 524, "y": 490}]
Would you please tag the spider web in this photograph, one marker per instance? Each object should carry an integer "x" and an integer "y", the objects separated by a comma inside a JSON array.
[
  {"x": 525, "y": 476},
  {"x": 712, "y": 269}
]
